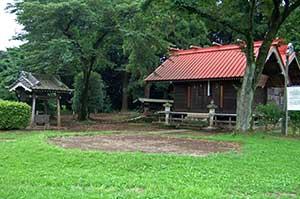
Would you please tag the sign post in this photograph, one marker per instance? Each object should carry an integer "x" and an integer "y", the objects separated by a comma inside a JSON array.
[{"x": 284, "y": 127}]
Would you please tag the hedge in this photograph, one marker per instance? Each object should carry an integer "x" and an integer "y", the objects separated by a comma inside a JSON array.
[
  {"x": 294, "y": 121},
  {"x": 14, "y": 115},
  {"x": 269, "y": 114}
]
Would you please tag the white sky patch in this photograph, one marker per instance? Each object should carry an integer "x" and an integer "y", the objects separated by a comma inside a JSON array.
[{"x": 9, "y": 27}]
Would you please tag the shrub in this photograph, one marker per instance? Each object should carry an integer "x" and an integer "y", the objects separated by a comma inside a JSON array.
[
  {"x": 97, "y": 99},
  {"x": 14, "y": 115},
  {"x": 294, "y": 121},
  {"x": 269, "y": 114}
]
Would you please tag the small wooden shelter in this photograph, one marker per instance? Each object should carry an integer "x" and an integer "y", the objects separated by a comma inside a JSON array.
[{"x": 31, "y": 87}]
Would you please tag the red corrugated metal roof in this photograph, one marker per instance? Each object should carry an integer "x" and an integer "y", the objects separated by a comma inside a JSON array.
[{"x": 216, "y": 62}]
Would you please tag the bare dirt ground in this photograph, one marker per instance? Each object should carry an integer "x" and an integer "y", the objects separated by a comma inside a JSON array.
[
  {"x": 109, "y": 122},
  {"x": 136, "y": 137},
  {"x": 104, "y": 122},
  {"x": 145, "y": 144}
]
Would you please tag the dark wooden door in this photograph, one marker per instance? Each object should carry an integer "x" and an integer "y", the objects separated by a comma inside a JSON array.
[
  {"x": 182, "y": 97},
  {"x": 199, "y": 97},
  {"x": 229, "y": 97}
]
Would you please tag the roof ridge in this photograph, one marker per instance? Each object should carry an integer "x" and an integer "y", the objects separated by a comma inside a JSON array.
[{"x": 208, "y": 49}]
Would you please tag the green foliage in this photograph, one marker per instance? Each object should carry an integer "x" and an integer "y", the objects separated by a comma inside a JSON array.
[
  {"x": 150, "y": 32},
  {"x": 294, "y": 121},
  {"x": 67, "y": 37},
  {"x": 266, "y": 167},
  {"x": 269, "y": 114},
  {"x": 63, "y": 34},
  {"x": 10, "y": 65},
  {"x": 97, "y": 100},
  {"x": 235, "y": 13},
  {"x": 14, "y": 115},
  {"x": 290, "y": 30}
]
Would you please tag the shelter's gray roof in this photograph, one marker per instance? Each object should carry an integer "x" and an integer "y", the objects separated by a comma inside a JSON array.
[{"x": 40, "y": 82}]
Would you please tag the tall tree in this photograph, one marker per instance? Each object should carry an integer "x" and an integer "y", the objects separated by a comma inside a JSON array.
[
  {"x": 150, "y": 32},
  {"x": 67, "y": 33}
]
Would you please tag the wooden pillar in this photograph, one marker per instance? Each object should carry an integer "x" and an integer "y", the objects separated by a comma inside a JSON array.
[
  {"x": 147, "y": 90},
  {"x": 32, "y": 123},
  {"x": 58, "y": 111},
  {"x": 45, "y": 107},
  {"x": 146, "y": 106},
  {"x": 230, "y": 122},
  {"x": 284, "y": 127},
  {"x": 221, "y": 96}
]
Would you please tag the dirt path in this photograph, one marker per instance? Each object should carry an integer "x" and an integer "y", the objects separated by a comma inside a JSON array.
[{"x": 146, "y": 144}]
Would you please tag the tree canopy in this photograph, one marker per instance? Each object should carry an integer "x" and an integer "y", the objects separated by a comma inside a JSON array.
[
  {"x": 67, "y": 36},
  {"x": 11, "y": 62}
]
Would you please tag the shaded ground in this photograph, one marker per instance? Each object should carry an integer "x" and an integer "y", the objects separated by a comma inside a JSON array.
[
  {"x": 104, "y": 122},
  {"x": 113, "y": 127},
  {"x": 113, "y": 122},
  {"x": 146, "y": 144}
]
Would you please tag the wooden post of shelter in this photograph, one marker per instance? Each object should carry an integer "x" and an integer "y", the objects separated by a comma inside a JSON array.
[
  {"x": 58, "y": 111},
  {"x": 33, "y": 110},
  {"x": 45, "y": 107},
  {"x": 284, "y": 126},
  {"x": 147, "y": 90}
]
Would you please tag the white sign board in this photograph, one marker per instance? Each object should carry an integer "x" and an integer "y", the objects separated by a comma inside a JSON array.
[{"x": 293, "y": 98}]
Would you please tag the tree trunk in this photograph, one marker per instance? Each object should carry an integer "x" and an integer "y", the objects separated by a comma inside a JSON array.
[
  {"x": 246, "y": 93},
  {"x": 125, "y": 92},
  {"x": 251, "y": 77},
  {"x": 245, "y": 101},
  {"x": 58, "y": 111},
  {"x": 83, "y": 111}
]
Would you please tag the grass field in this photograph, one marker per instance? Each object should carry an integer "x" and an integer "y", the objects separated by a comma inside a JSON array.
[{"x": 266, "y": 167}]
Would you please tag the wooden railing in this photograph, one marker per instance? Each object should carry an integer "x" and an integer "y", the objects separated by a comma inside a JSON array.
[
  {"x": 219, "y": 119},
  {"x": 228, "y": 119}
]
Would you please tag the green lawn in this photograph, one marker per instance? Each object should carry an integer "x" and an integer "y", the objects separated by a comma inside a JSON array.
[{"x": 266, "y": 167}]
